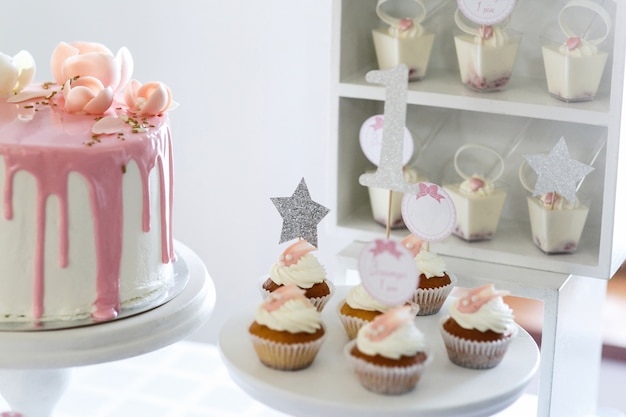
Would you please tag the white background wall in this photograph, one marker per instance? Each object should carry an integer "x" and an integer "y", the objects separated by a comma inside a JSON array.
[{"x": 253, "y": 82}]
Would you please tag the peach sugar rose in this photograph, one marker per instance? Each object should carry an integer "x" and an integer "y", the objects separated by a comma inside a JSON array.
[
  {"x": 90, "y": 75},
  {"x": 149, "y": 99},
  {"x": 88, "y": 79}
]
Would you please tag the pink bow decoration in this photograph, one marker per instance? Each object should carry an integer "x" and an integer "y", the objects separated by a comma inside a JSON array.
[
  {"x": 474, "y": 299},
  {"x": 383, "y": 246},
  {"x": 10, "y": 414},
  {"x": 385, "y": 324},
  {"x": 429, "y": 190},
  {"x": 378, "y": 123}
]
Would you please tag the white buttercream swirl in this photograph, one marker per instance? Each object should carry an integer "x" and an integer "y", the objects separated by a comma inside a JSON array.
[
  {"x": 305, "y": 273},
  {"x": 430, "y": 264},
  {"x": 295, "y": 316},
  {"x": 494, "y": 315},
  {"x": 359, "y": 298},
  {"x": 407, "y": 340}
]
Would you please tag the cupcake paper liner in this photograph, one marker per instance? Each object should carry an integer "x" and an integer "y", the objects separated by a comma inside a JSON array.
[
  {"x": 318, "y": 302},
  {"x": 389, "y": 380},
  {"x": 351, "y": 324},
  {"x": 476, "y": 354},
  {"x": 430, "y": 300},
  {"x": 286, "y": 356}
]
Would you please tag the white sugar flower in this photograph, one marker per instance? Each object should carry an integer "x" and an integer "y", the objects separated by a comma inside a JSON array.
[{"x": 15, "y": 72}]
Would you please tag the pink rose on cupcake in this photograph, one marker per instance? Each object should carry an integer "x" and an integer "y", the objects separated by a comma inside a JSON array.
[{"x": 90, "y": 74}]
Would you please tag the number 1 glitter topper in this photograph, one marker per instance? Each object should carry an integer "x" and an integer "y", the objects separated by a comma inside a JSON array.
[
  {"x": 301, "y": 215},
  {"x": 387, "y": 270},
  {"x": 389, "y": 172}
]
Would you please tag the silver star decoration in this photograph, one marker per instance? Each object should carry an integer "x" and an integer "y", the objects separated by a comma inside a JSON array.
[
  {"x": 557, "y": 171},
  {"x": 301, "y": 215}
]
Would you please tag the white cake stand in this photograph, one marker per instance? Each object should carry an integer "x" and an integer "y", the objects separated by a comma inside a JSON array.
[{"x": 35, "y": 366}]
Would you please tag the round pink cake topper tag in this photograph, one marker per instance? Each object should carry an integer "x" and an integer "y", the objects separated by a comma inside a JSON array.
[
  {"x": 486, "y": 12},
  {"x": 388, "y": 271},
  {"x": 430, "y": 214},
  {"x": 371, "y": 140}
]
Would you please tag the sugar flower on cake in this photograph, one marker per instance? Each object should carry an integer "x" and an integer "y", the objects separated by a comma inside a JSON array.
[
  {"x": 149, "y": 99},
  {"x": 90, "y": 75},
  {"x": 90, "y": 80},
  {"x": 92, "y": 60},
  {"x": 16, "y": 72}
]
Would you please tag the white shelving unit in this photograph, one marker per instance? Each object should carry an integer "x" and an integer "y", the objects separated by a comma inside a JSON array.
[{"x": 524, "y": 119}]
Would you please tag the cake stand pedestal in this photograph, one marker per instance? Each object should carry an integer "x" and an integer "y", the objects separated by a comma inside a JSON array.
[{"x": 35, "y": 366}]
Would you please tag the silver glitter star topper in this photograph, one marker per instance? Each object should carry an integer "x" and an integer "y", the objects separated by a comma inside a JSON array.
[
  {"x": 301, "y": 215},
  {"x": 557, "y": 171}
]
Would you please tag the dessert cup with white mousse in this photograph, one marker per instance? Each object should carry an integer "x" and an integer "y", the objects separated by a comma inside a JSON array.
[
  {"x": 574, "y": 67},
  {"x": 405, "y": 40},
  {"x": 478, "y": 200},
  {"x": 556, "y": 222},
  {"x": 486, "y": 54}
]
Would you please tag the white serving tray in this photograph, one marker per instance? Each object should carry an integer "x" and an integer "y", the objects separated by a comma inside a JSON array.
[{"x": 330, "y": 387}]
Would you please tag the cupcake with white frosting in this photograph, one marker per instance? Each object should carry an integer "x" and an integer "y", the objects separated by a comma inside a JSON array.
[
  {"x": 434, "y": 284},
  {"x": 287, "y": 332},
  {"x": 360, "y": 308},
  {"x": 389, "y": 354},
  {"x": 479, "y": 328},
  {"x": 296, "y": 265}
]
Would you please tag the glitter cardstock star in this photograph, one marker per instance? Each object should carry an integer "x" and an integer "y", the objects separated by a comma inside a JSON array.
[
  {"x": 557, "y": 171},
  {"x": 301, "y": 215}
]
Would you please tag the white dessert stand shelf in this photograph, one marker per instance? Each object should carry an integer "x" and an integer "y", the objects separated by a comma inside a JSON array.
[
  {"x": 35, "y": 366},
  {"x": 330, "y": 387}
]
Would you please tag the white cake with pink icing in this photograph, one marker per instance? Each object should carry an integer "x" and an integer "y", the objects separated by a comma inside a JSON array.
[{"x": 86, "y": 168}]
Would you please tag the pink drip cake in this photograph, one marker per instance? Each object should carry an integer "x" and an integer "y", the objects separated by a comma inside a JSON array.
[{"x": 86, "y": 170}]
